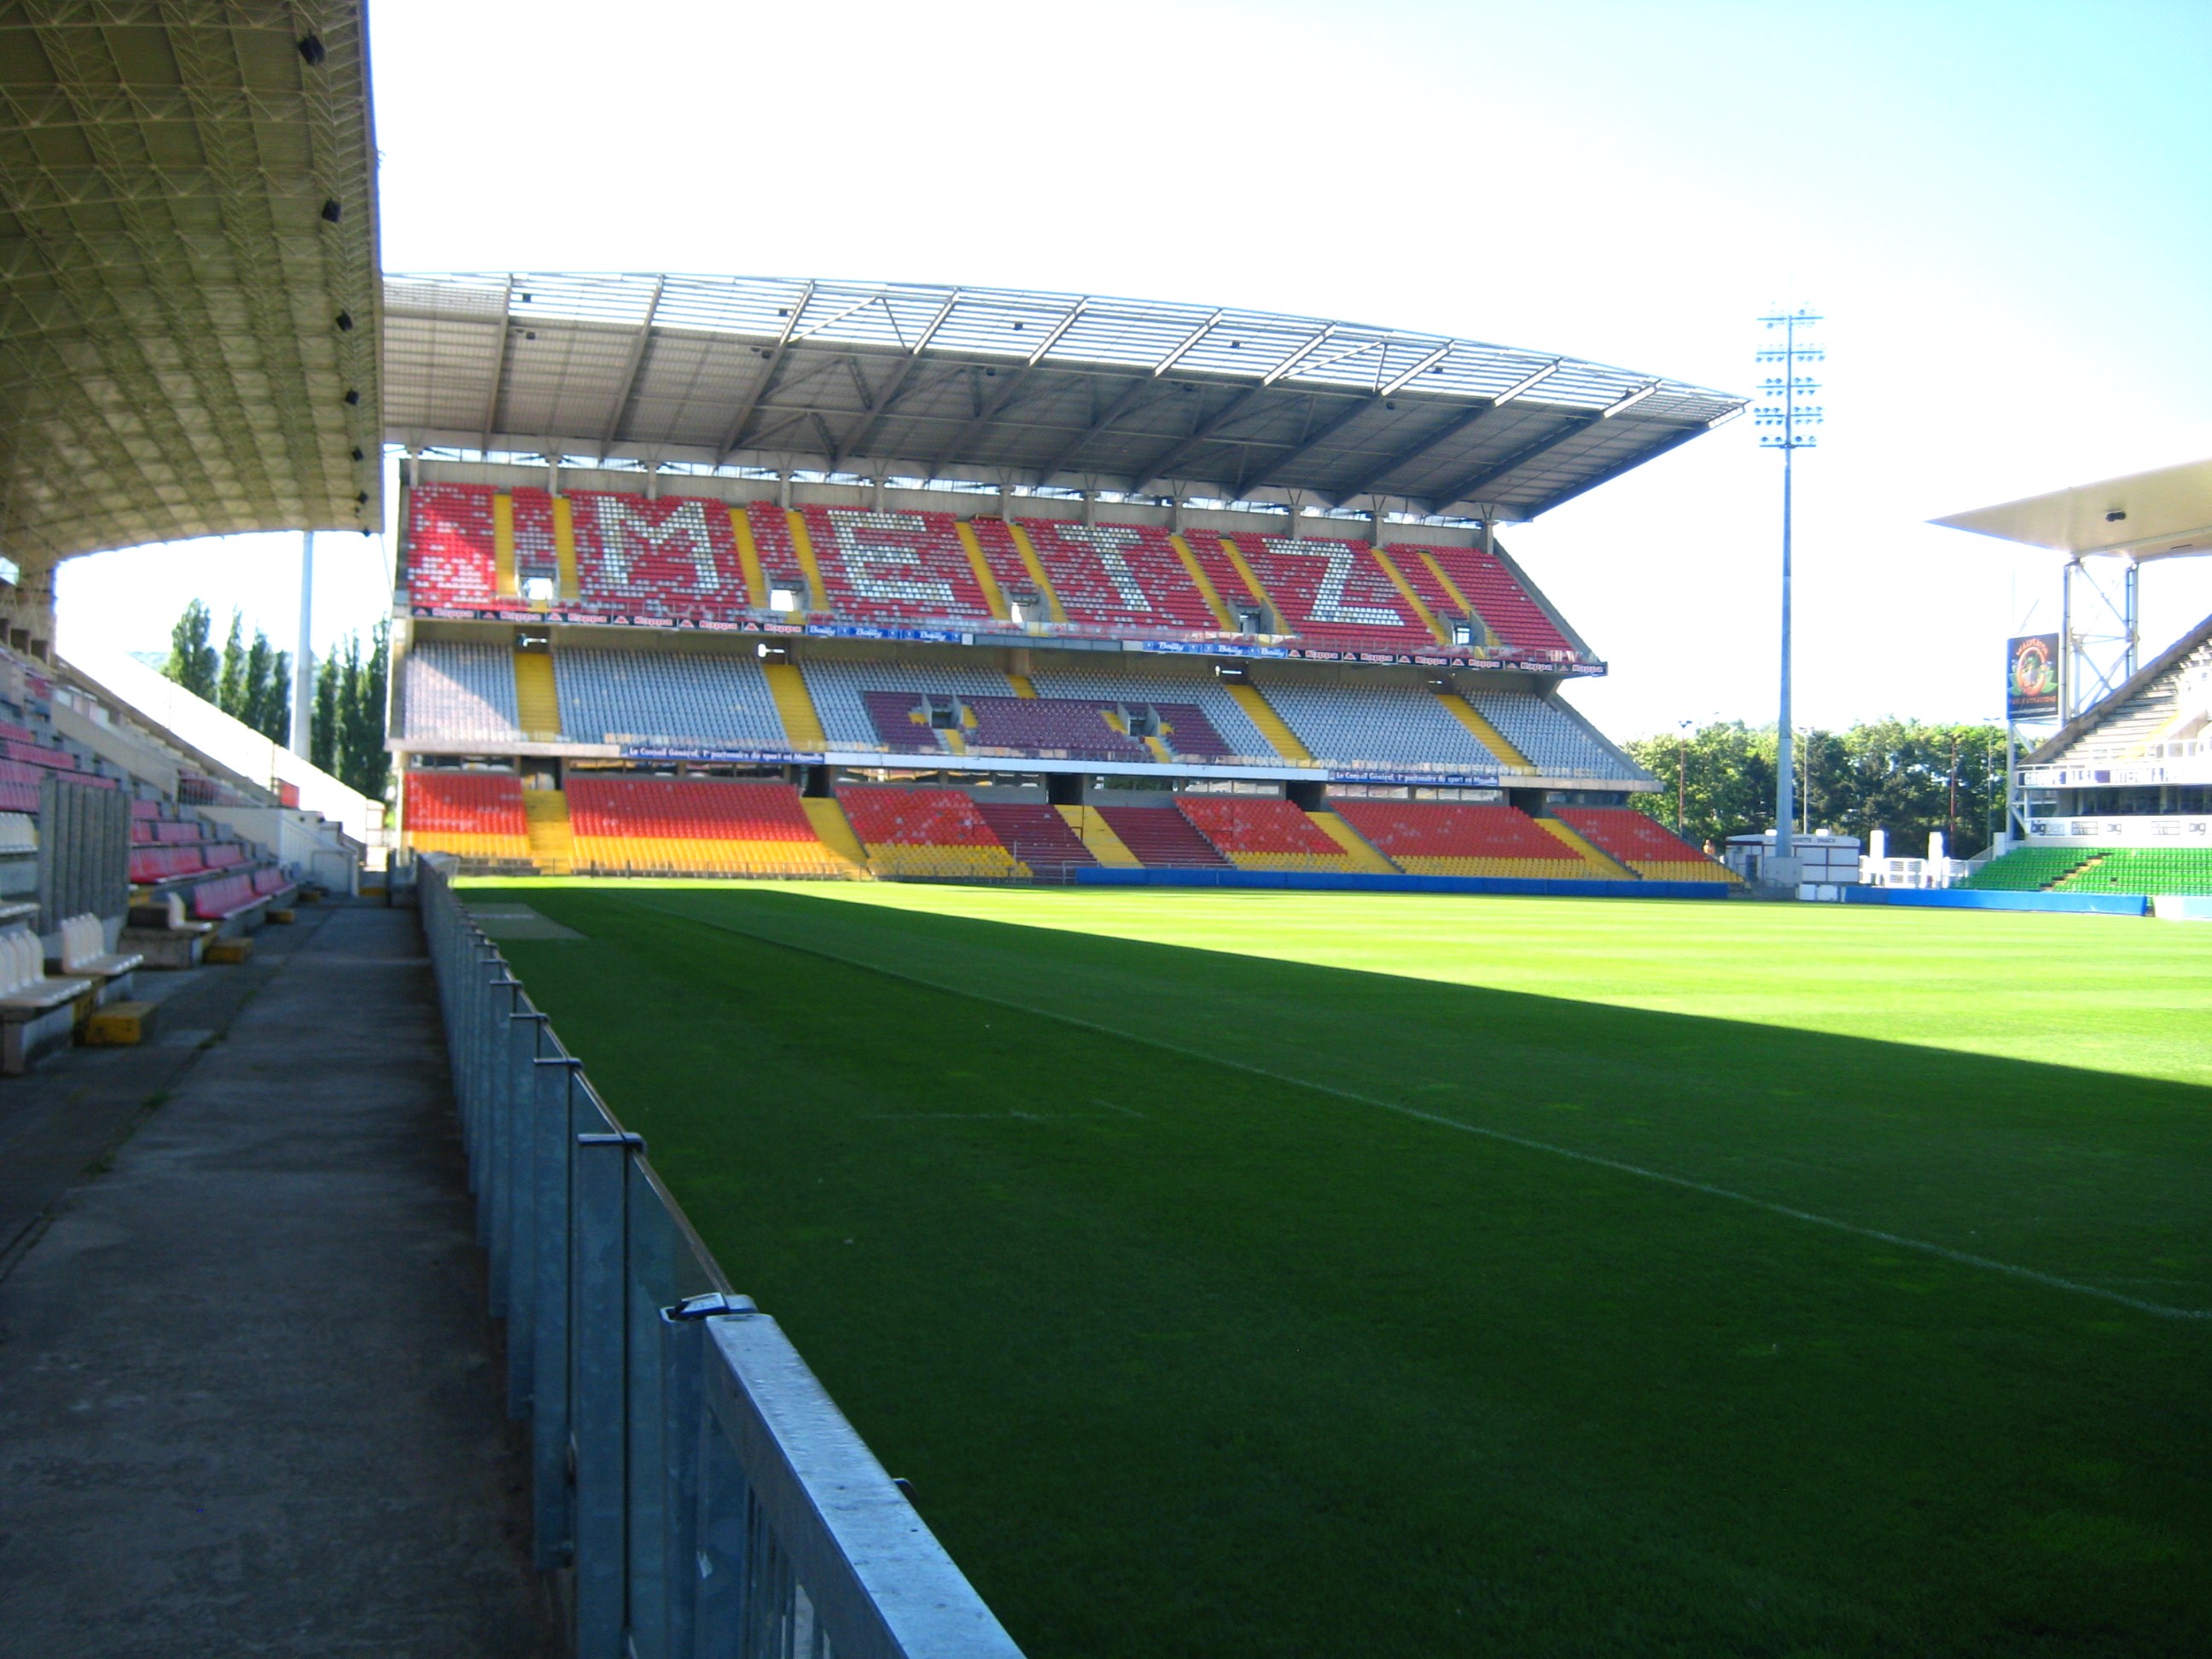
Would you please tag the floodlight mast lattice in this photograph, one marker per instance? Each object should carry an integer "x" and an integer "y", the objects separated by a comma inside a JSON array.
[{"x": 1787, "y": 421}]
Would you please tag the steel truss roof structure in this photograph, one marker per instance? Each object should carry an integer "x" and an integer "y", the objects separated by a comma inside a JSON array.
[
  {"x": 190, "y": 295},
  {"x": 1005, "y": 386}
]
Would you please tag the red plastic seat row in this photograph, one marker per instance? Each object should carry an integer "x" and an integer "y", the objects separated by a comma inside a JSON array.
[
  {"x": 1630, "y": 835},
  {"x": 216, "y": 900},
  {"x": 1450, "y": 829},
  {"x": 1256, "y": 823},
  {"x": 1334, "y": 591},
  {"x": 465, "y": 803},
  {"x": 916, "y": 817},
  {"x": 686, "y": 809}
]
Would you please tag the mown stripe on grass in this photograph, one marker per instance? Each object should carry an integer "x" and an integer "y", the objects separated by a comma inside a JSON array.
[{"x": 1963, "y": 1258}]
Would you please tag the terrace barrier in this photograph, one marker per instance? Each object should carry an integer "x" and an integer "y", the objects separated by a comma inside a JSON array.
[{"x": 694, "y": 1489}]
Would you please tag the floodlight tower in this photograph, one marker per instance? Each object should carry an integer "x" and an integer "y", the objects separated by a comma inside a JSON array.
[{"x": 1788, "y": 419}]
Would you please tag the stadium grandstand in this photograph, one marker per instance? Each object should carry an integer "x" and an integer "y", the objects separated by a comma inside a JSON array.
[
  {"x": 2117, "y": 800},
  {"x": 1104, "y": 583}
]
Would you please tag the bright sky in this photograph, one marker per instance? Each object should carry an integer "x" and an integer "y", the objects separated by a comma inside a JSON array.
[{"x": 2000, "y": 208}]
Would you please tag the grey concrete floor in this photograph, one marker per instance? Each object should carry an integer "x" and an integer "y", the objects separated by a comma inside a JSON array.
[{"x": 247, "y": 1397}]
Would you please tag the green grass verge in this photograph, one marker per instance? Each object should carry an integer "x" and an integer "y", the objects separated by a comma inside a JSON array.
[{"x": 1146, "y": 1235}]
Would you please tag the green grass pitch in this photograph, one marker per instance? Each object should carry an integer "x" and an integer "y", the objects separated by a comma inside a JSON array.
[{"x": 1333, "y": 1274}]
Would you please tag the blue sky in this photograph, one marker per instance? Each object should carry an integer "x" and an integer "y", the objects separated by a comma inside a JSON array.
[{"x": 2000, "y": 208}]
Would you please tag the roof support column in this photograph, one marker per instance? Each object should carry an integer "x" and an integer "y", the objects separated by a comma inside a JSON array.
[
  {"x": 1090, "y": 506},
  {"x": 303, "y": 665}
]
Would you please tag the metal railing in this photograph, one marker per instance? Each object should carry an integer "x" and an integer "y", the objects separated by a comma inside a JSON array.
[{"x": 696, "y": 1489}]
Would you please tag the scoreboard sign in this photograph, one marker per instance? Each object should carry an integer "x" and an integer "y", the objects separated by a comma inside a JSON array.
[{"x": 2031, "y": 677}]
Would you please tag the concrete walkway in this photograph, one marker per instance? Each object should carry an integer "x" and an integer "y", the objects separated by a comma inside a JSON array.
[{"x": 247, "y": 1401}]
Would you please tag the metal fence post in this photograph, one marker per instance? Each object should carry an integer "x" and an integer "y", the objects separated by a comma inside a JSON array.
[
  {"x": 599, "y": 1339},
  {"x": 553, "y": 1141},
  {"x": 499, "y": 1129},
  {"x": 722, "y": 1543},
  {"x": 683, "y": 1422},
  {"x": 525, "y": 1032}
]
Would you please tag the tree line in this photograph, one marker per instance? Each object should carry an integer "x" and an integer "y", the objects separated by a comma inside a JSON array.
[
  {"x": 252, "y": 682},
  {"x": 1907, "y": 777}
]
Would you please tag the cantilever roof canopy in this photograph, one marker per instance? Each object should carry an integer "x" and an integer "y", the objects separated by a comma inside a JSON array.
[
  {"x": 1008, "y": 387},
  {"x": 189, "y": 290},
  {"x": 2164, "y": 513}
]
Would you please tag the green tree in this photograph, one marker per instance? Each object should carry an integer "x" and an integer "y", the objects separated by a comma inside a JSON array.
[
  {"x": 230, "y": 676},
  {"x": 323, "y": 724},
  {"x": 1907, "y": 777},
  {"x": 192, "y": 662}
]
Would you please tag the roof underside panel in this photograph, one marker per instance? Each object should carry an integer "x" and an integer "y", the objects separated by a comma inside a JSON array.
[
  {"x": 171, "y": 274},
  {"x": 997, "y": 386}
]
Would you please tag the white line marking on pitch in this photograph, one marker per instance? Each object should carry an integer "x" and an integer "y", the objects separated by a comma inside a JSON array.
[{"x": 2052, "y": 1281}]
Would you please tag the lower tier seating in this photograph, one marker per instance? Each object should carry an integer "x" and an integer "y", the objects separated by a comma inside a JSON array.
[
  {"x": 1461, "y": 838},
  {"x": 471, "y": 815},
  {"x": 1261, "y": 832},
  {"x": 1643, "y": 844},
  {"x": 2029, "y": 869},
  {"x": 1162, "y": 837},
  {"x": 2150, "y": 869},
  {"x": 1037, "y": 835},
  {"x": 927, "y": 832},
  {"x": 694, "y": 826}
]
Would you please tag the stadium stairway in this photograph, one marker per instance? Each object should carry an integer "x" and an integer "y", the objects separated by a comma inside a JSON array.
[
  {"x": 834, "y": 830},
  {"x": 1203, "y": 582},
  {"x": 1603, "y": 866},
  {"x": 1092, "y": 828},
  {"x": 552, "y": 843},
  {"x": 1271, "y": 725},
  {"x": 1357, "y": 848},
  {"x": 993, "y": 595},
  {"x": 1025, "y": 549},
  {"x": 1485, "y": 734},
  {"x": 802, "y": 726},
  {"x": 537, "y": 700}
]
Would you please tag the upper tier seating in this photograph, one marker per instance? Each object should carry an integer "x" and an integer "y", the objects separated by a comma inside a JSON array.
[
  {"x": 676, "y": 556},
  {"x": 476, "y": 815},
  {"x": 459, "y": 688},
  {"x": 1033, "y": 724},
  {"x": 1488, "y": 588},
  {"x": 1333, "y": 593},
  {"x": 1162, "y": 837},
  {"x": 1400, "y": 723},
  {"x": 1119, "y": 576},
  {"x": 925, "y": 832},
  {"x": 900, "y": 719},
  {"x": 1035, "y": 834},
  {"x": 1553, "y": 737},
  {"x": 451, "y": 559},
  {"x": 1228, "y": 731},
  {"x": 1461, "y": 838},
  {"x": 2172, "y": 706},
  {"x": 894, "y": 566},
  {"x": 1261, "y": 832},
  {"x": 838, "y": 685},
  {"x": 694, "y": 826},
  {"x": 537, "y": 551},
  {"x": 689, "y": 697},
  {"x": 1643, "y": 843}
]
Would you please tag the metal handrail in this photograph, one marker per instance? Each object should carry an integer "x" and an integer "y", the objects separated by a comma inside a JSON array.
[{"x": 691, "y": 1478}]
